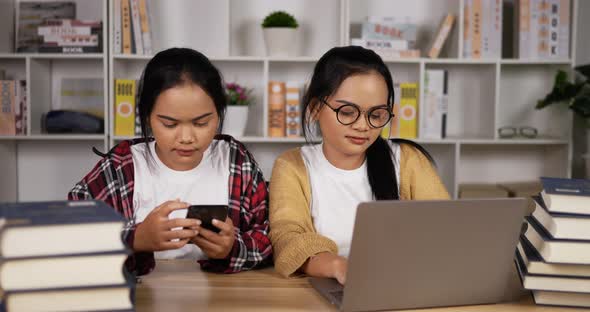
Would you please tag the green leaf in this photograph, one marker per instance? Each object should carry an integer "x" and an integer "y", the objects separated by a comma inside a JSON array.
[{"x": 280, "y": 19}]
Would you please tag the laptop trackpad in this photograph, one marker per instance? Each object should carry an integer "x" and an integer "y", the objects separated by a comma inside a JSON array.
[{"x": 329, "y": 288}]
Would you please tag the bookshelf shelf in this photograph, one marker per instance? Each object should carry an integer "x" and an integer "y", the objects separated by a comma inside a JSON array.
[
  {"x": 484, "y": 94},
  {"x": 91, "y": 56},
  {"x": 55, "y": 137}
]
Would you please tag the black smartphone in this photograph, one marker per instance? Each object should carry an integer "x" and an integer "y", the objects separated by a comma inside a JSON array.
[{"x": 206, "y": 213}]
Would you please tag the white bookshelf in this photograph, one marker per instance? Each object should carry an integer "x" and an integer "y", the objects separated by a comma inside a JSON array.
[
  {"x": 37, "y": 165},
  {"x": 484, "y": 94}
]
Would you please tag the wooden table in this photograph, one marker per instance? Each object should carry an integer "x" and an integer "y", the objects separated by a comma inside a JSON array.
[{"x": 179, "y": 285}]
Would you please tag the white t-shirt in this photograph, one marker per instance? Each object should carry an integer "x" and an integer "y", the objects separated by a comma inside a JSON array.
[
  {"x": 155, "y": 183},
  {"x": 336, "y": 193}
]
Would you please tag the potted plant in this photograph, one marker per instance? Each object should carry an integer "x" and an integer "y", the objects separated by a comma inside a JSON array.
[
  {"x": 280, "y": 34},
  {"x": 236, "y": 117},
  {"x": 576, "y": 95}
]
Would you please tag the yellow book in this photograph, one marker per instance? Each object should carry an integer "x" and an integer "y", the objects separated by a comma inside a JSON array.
[
  {"x": 408, "y": 111},
  {"x": 125, "y": 107}
]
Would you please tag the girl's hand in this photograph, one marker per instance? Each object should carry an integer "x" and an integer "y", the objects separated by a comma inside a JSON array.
[
  {"x": 339, "y": 267},
  {"x": 157, "y": 231},
  {"x": 216, "y": 245}
]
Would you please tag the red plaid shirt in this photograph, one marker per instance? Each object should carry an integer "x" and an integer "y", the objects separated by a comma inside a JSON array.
[{"x": 112, "y": 181}]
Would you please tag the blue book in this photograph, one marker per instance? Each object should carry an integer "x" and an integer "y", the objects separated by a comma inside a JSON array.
[
  {"x": 59, "y": 228},
  {"x": 566, "y": 195}
]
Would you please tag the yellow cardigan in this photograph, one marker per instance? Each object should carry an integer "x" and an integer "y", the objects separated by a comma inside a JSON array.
[{"x": 292, "y": 234}]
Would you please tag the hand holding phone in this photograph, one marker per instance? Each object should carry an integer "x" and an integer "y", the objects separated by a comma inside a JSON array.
[{"x": 206, "y": 213}]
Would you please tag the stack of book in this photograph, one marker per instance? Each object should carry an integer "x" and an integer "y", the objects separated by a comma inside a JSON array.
[
  {"x": 63, "y": 256},
  {"x": 553, "y": 255},
  {"x": 388, "y": 37},
  {"x": 70, "y": 36}
]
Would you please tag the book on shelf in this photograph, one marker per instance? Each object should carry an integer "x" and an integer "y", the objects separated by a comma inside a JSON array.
[
  {"x": 276, "y": 108},
  {"x": 555, "y": 250},
  {"x": 566, "y": 195},
  {"x": 543, "y": 29},
  {"x": 561, "y": 225},
  {"x": 391, "y": 130},
  {"x": 80, "y": 94},
  {"x": 293, "y": 109},
  {"x": 99, "y": 298},
  {"x": 393, "y": 44},
  {"x": 71, "y": 36},
  {"x": 31, "y": 14},
  {"x": 63, "y": 225},
  {"x": 132, "y": 27},
  {"x": 14, "y": 107},
  {"x": 136, "y": 26},
  {"x": 535, "y": 264},
  {"x": 408, "y": 111},
  {"x": 434, "y": 109},
  {"x": 389, "y": 28},
  {"x": 125, "y": 95},
  {"x": 7, "y": 105},
  {"x": 551, "y": 282},
  {"x": 482, "y": 29},
  {"x": 441, "y": 36}
]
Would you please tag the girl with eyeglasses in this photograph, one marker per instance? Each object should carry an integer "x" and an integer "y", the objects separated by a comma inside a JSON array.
[{"x": 315, "y": 189}]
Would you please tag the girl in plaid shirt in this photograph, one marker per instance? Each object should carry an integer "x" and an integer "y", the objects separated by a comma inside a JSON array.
[{"x": 181, "y": 160}]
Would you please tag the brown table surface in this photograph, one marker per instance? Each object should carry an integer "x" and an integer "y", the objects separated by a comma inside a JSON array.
[{"x": 180, "y": 285}]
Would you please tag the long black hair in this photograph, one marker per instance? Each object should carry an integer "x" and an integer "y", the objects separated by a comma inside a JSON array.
[
  {"x": 330, "y": 71},
  {"x": 175, "y": 67}
]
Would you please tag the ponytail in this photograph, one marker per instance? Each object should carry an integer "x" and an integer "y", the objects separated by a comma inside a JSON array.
[{"x": 379, "y": 163}]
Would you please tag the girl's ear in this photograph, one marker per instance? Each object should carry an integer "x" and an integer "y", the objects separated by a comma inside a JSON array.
[{"x": 313, "y": 110}]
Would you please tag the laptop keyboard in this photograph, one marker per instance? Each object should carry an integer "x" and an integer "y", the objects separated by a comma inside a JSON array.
[{"x": 337, "y": 295}]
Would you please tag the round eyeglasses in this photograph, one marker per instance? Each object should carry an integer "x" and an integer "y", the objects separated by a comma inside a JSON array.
[{"x": 348, "y": 114}]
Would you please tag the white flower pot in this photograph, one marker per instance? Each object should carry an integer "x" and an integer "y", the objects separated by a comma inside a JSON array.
[
  {"x": 280, "y": 41},
  {"x": 236, "y": 118}
]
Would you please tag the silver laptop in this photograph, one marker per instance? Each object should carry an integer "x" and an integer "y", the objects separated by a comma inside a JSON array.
[{"x": 419, "y": 254}]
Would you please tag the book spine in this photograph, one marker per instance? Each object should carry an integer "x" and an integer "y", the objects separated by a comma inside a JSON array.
[
  {"x": 276, "y": 108},
  {"x": 476, "y": 30},
  {"x": 25, "y": 106},
  {"x": 564, "y": 29},
  {"x": 126, "y": 26},
  {"x": 136, "y": 26},
  {"x": 444, "y": 104},
  {"x": 395, "y": 131},
  {"x": 293, "y": 110},
  {"x": 145, "y": 27},
  {"x": 524, "y": 29},
  {"x": 431, "y": 112},
  {"x": 467, "y": 25},
  {"x": 117, "y": 27},
  {"x": 18, "y": 109},
  {"x": 124, "y": 107},
  {"x": 408, "y": 110},
  {"x": 137, "y": 116},
  {"x": 69, "y": 49},
  {"x": 7, "y": 115},
  {"x": 381, "y": 43},
  {"x": 442, "y": 35}
]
